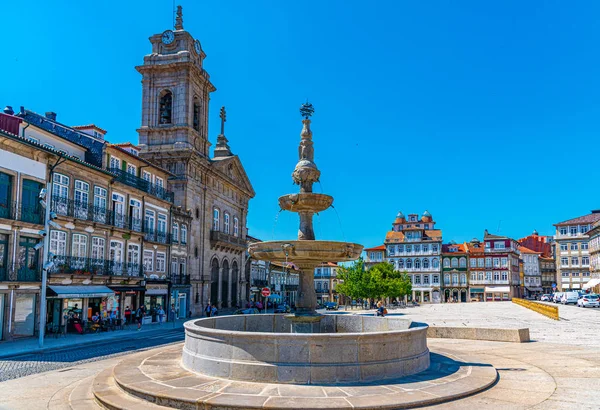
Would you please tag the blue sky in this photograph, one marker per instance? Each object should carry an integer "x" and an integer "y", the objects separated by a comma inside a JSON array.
[{"x": 484, "y": 113}]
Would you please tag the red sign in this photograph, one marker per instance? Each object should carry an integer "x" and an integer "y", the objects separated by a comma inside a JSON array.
[{"x": 265, "y": 292}]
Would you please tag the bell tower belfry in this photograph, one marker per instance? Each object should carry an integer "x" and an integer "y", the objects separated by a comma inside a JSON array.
[{"x": 175, "y": 93}]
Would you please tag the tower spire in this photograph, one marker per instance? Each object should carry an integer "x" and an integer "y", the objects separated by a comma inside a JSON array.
[{"x": 179, "y": 19}]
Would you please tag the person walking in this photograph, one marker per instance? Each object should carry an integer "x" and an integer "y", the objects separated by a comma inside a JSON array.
[
  {"x": 213, "y": 311},
  {"x": 208, "y": 310},
  {"x": 161, "y": 314},
  {"x": 139, "y": 316}
]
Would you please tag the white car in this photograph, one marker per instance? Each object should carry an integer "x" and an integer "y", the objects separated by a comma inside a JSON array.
[
  {"x": 546, "y": 298},
  {"x": 569, "y": 297},
  {"x": 589, "y": 301},
  {"x": 557, "y": 296}
]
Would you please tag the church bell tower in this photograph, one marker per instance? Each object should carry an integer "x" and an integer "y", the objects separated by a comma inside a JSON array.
[{"x": 175, "y": 95}]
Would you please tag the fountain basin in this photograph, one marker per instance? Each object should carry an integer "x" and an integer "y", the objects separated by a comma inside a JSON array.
[
  {"x": 305, "y": 251},
  {"x": 302, "y": 202},
  {"x": 260, "y": 348}
]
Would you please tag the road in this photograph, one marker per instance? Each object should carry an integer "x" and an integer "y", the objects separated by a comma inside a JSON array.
[{"x": 64, "y": 358}]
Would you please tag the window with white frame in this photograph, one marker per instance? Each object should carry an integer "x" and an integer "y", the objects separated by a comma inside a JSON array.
[
  {"x": 504, "y": 275},
  {"x": 455, "y": 279},
  {"x": 160, "y": 182},
  {"x": 149, "y": 220},
  {"x": 408, "y": 248},
  {"x": 79, "y": 246},
  {"x": 99, "y": 204},
  {"x": 135, "y": 214},
  {"x": 183, "y": 234},
  {"x": 496, "y": 275},
  {"x": 425, "y": 279},
  {"x": 400, "y": 263},
  {"x": 563, "y": 230},
  {"x": 496, "y": 262},
  {"x": 131, "y": 169},
  {"x": 175, "y": 232},
  {"x": 585, "y": 260},
  {"x": 463, "y": 278},
  {"x": 480, "y": 262},
  {"x": 115, "y": 163},
  {"x": 174, "y": 265},
  {"x": 434, "y": 248},
  {"x": 58, "y": 243},
  {"x": 436, "y": 279},
  {"x": 480, "y": 275},
  {"x": 564, "y": 261},
  {"x": 216, "y": 219},
  {"x": 162, "y": 223},
  {"x": 133, "y": 254},
  {"x": 488, "y": 262},
  {"x": 161, "y": 262},
  {"x": 574, "y": 261},
  {"x": 417, "y": 263},
  {"x": 584, "y": 246},
  {"x": 488, "y": 276},
  {"x": 417, "y": 248},
  {"x": 473, "y": 276},
  {"x": 148, "y": 261},
  {"x": 425, "y": 248},
  {"x": 417, "y": 279},
  {"x": 574, "y": 246},
  {"x": 182, "y": 266},
  {"x": 499, "y": 245},
  {"x": 226, "y": 223},
  {"x": 147, "y": 176},
  {"x": 116, "y": 254},
  {"x": 564, "y": 247},
  {"x": 60, "y": 186},
  {"x": 435, "y": 263},
  {"x": 572, "y": 230},
  {"x": 236, "y": 227},
  {"x": 473, "y": 263},
  {"x": 504, "y": 263},
  {"x": 409, "y": 264},
  {"x": 425, "y": 263},
  {"x": 98, "y": 247},
  {"x": 82, "y": 197},
  {"x": 454, "y": 263}
]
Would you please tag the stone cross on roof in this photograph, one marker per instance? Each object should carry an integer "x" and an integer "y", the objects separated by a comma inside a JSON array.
[
  {"x": 179, "y": 19},
  {"x": 223, "y": 116}
]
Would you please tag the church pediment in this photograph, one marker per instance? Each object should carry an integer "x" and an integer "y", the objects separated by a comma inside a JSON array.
[{"x": 231, "y": 168}]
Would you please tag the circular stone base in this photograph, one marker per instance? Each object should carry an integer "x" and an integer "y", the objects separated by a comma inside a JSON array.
[{"x": 159, "y": 378}]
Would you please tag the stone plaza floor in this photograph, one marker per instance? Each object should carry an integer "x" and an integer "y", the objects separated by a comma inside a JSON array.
[{"x": 559, "y": 369}]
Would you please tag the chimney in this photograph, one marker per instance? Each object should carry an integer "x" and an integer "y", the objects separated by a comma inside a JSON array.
[
  {"x": 51, "y": 115},
  {"x": 8, "y": 110}
]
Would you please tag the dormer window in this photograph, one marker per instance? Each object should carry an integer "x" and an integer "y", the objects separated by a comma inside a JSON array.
[{"x": 413, "y": 218}]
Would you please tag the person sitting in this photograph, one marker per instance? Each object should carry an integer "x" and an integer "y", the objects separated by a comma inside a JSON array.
[{"x": 380, "y": 309}]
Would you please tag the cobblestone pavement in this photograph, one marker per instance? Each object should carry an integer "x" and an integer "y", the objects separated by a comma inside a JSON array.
[{"x": 28, "y": 364}]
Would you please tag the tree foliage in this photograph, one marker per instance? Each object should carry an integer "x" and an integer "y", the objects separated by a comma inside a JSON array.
[{"x": 380, "y": 281}]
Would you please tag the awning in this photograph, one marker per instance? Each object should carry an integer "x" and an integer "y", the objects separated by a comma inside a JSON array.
[
  {"x": 477, "y": 290},
  {"x": 157, "y": 291},
  {"x": 534, "y": 289},
  {"x": 128, "y": 288},
  {"x": 497, "y": 289},
  {"x": 70, "y": 292},
  {"x": 591, "y": 283}
]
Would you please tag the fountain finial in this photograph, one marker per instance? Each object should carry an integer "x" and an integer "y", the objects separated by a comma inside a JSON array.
[{"x": 307, "y": 110}]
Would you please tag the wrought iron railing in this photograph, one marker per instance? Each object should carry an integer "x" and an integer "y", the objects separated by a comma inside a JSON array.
[
  {"x": 142, "y": 184},
  {"x": 21, "y": 273},
  {"x": 89, "y": 212},
  {"x": 91, "y": 266},
  {"x": 17, "y": 212},
  {"x": 217, "y": 236},
  {"x": 180, "y": 279},
  {"x": 157, "y": 236}
]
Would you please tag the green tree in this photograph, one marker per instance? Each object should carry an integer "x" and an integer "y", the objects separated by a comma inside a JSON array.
[{"x": 380, "y": 281}]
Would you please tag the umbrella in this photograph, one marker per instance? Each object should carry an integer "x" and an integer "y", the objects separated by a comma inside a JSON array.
[{"x": 273, "y": 296}]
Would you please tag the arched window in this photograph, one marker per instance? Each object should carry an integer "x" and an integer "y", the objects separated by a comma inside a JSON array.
[
  {"x": 226, "y": 223},
  {"x": 215, "y": 219},
  {"x": 409, "y": 264},
  {"x": 463, "y": 262},
  {"x": 446, "y": 279},
  {"x": 183, "y": 234},
  {"x": 425, "y": 263},
  {"x": 435, "y": 263},
  {"x": 463, "y": 278},
  {"x": 400, "y": 263},
  {"x": 417, "y": 263},
  {"x": 165, "y": 107},
  {"x": 236, "y": 227},
  {"x": 446, "y": 263},
  {"x": 196, "y": 114},
  {"x": 454, "y": 263}
]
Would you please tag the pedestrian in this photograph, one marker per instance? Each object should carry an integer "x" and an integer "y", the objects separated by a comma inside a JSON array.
[
  {"x": 381, "y": 311},
  {"x": 213, "y": 310},
  {"x": 161, "y": 314},
  {"x": 207, "y": 310},
  {"x": 139, "y": 316},
  {"x": 127, "y": 315},
  {"x": 173, "y": 312}
]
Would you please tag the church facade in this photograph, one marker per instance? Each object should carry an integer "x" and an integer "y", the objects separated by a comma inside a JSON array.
[{"x": 215, "y": 190}]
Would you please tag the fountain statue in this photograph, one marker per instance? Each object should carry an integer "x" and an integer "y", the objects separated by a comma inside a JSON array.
[{"x": 306, "y": 253}]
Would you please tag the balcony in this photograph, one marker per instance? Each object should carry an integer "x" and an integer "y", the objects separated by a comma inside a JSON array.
[
  {"x": 17, "y": 212},
  {"x": 23, "y": 273},
  {"x": 89, "y": 212},
  {"x": 417, "y": 270},
  {"x": 151, "y": 235},
  {"x": 73, "y": 265},
  {"x": 142, "y": 184},
  {"x": 488, "y": 282},
  {"x": 180, "y": 279},
  {"x": 227, "y": 241}
]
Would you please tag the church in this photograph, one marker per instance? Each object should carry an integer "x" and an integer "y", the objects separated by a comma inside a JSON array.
[{"x": 216, "y": 190}]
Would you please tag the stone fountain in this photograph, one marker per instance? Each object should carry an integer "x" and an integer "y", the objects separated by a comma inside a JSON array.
[{"x": 306, "y": 253}]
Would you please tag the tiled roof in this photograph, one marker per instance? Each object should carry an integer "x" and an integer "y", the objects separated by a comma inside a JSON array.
[
  {"x": 393, "y": 236},
  {"x": 585, "y": 219},
  {"x": 487, "y": 235},
  {"x": 433, "y": 233},
  {"x": 84, "y": 127},
  {"x": 459, "y": 248},
  {"x": 523, "y": 249},
  {"x": 471, "y": 249},
  {"x": 377, "y": 248}
]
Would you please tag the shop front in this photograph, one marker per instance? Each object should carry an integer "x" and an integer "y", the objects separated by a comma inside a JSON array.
[
  {"x": 477, "y": 294},
  {"x": 70, "y": 307},
  {"x": 128, "y": 300},
  {"x": 497, "y": 293},
  {"x": 179, "y": 298},
  {"x": 155, "y": 298}
]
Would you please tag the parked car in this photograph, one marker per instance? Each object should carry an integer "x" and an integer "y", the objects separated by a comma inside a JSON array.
[
  {"x": 331, "y": 306},
  {"x": 569, "y": 297},
  {"x": 589, "y": 301},
  {"x": 557, "y": 296},
  {"x": 248, "y": 311},
  {"x": 546, "y": 298}
]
